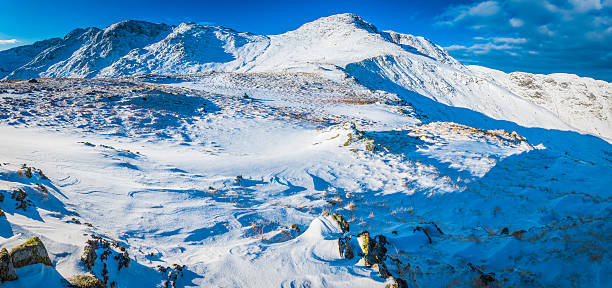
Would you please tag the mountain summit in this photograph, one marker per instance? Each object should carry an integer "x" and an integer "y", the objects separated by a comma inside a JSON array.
[
  {"x": 138, "y": 47},
  {"x": 342, "y": 46}
]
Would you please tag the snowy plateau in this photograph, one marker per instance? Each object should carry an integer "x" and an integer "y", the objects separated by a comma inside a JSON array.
[{"x": 334, "y": 155}]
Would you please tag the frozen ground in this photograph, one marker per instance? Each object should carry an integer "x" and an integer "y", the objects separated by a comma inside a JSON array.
[{"x": 213, "y": 170}]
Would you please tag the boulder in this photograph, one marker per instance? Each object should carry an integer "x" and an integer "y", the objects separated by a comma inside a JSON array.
[
  {"x": 85, "y": 281},
  {"x": 344, "y": 247},
  {"x": 373, "y": 249},
  {"x": 7, "y": 271},
  {"x": 31, "y": 252}
]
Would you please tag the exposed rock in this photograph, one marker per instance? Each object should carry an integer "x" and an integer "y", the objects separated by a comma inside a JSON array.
[
  {"x": 430, "y": 229},
  {"x": 344, "y": 247},
  {"x": 89, "y": 254},
  {"x": 518, "y": 234},
  {"x": 31, "y": 252},
  {"x": 25, "y": 171},
  {"x": 344, "y": 226},
  {"x": 85, "y": 281},
  {"x": 20, "y": 196},
  {"x": 123, "y": 259},
  {"x": 374, "y": 249},
  {"x": 7, "y": 271},
  {"x": 485, "y": 279},
  {"x": 296, "y": 228},
  {"x": 175, "y": 271},
  {"x": 383, "y": 271},
  {"x": 396, "y": 283}
]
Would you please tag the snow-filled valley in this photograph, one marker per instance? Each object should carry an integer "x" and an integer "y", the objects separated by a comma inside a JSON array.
[{"x": 334, "y": 155}]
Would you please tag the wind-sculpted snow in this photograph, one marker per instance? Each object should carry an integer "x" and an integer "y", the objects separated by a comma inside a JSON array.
[{"x": 236, "y": 172}]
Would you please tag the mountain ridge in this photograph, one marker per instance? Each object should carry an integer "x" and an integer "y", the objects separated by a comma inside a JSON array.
[{"x": 342, "y": 46}]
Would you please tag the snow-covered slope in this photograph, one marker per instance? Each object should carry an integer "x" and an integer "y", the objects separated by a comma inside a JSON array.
[
  {"x": 336, "y": 47},
  {"x": 227, "y": 180},
  {"x": 581, "y": 102}
]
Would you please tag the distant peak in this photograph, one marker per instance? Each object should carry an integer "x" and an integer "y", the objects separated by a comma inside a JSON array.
[
  {"x": 348, "y": 18},
  {"x": 135, "y": 26},
  {"x": 80, "y": 31}
]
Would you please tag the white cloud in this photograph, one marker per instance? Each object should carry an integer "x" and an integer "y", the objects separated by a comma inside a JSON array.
[
  {"x": 487, "y": 8},
  {"x": 455, "y": 47},
  {"x": 567, "y": 33},
  {"x": 461, "y": 12},
  {"x": 516, "y": 22},
  {"x": 502, "y": 39},
  {"x": 544, "y": 30},
  {"x": 8, "y": 41},
  {"x": 582, "y": 6},
  {"x": 509, "y": 40},
  {"x": 484, "y": 48}
]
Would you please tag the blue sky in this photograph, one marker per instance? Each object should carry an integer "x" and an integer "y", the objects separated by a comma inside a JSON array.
[{"x": 540, "y": 36}]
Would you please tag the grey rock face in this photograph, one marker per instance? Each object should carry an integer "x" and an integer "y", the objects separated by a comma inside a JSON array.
[
  {"x": 7, "y": 271},
  {"x": 31, "y": 252}
]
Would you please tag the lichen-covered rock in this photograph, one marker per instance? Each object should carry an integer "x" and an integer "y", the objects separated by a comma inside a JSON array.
[
  {"x": 89, "y": 254},
  {"x": 374, "y": 250},
  {"x": 85, "y": 281},
  {"x": 7, "y": 271},
  {"x": 344, "y": 247},
  {"x": 344, "y": 226},
  {"x": 31, "y": 252}
]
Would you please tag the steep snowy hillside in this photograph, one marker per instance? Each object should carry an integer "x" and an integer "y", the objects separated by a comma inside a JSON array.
[
  {"x": 336, "y": 47},
  {"x": 15, "y": 58},
  {"x": 581, "y": 102}
]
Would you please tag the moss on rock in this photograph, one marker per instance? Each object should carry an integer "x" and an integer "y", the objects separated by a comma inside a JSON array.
[
  {"x": 30, "y": 252},
  {"x": 85, "y": 281}
]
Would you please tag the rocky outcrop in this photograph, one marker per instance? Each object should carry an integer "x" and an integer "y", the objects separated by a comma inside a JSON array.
[
  {"x": 344, "y": 226},
  {"x": 7, "y": 271},
  {"x": 89, "y": 254},
  {"x": 346, "y": 251},
  {"x": 31, "y": 252},
  {"x": 374, "y": 250},
  {"x": 85, "y": 281},
  {"x": 393, "y": 282}
]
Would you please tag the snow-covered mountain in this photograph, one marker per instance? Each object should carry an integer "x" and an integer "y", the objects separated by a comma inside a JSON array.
[
  {"x": 334, "y": 155},
  {"x": 338, "y": 47},
  {"x": 581, "y": 102}
]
